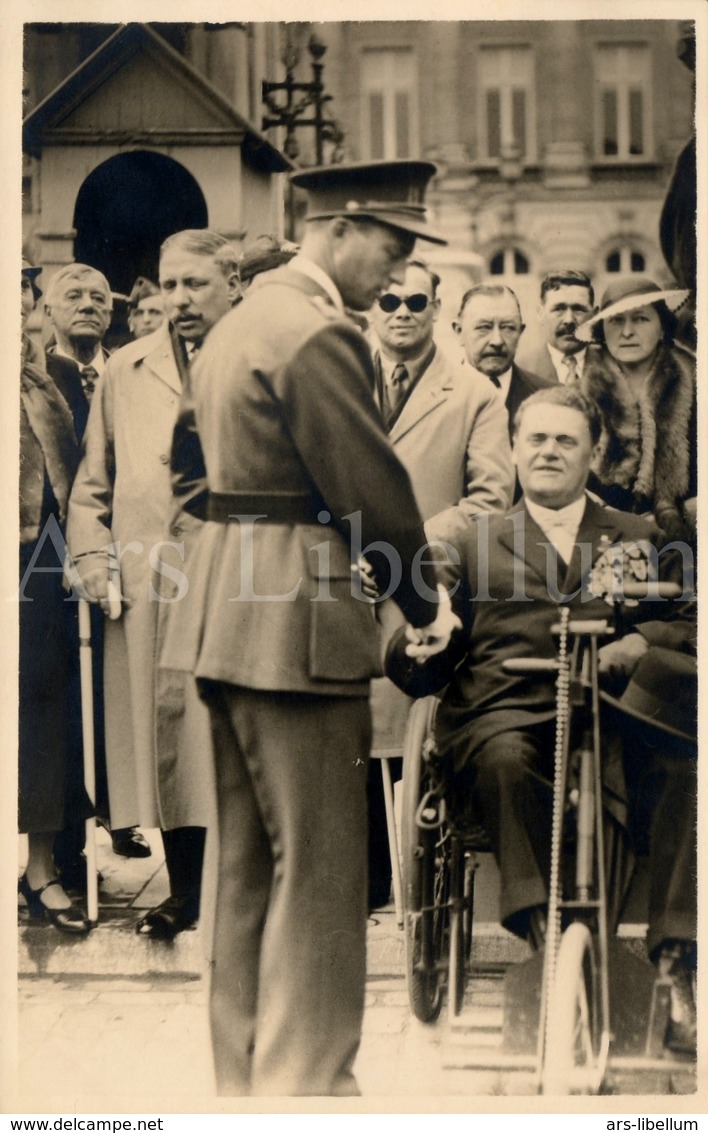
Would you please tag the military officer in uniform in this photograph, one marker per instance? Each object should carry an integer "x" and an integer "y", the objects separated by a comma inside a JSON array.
[{"x": 279, "y": 638}]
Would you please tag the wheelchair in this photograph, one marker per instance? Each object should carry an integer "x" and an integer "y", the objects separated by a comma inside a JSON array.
[{"x": 585, "y": 1004}]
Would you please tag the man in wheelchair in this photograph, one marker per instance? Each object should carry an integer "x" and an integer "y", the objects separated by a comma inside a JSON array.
[{"x": 508, "y": 577}]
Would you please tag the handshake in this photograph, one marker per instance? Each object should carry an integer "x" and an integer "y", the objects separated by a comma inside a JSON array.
[
  {"x": 423, "y": 641},
  {"x": 428, "y": 640}
]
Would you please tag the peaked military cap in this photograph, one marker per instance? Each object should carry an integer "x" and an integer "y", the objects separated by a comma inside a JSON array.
[{"x": 388, "y": 192}]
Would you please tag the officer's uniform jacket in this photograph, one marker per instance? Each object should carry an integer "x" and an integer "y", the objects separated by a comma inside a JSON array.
[{"x": 288, "y": 421}]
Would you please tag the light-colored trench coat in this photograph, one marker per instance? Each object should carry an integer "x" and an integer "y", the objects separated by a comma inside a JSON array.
[{"x": 158, "y": 747}]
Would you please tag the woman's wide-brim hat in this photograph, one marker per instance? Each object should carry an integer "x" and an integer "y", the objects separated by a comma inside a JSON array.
[
  {"x": 388, "y": 192},
  {"x": 627, "y": 294},
  {"x": 662, "y": 694},
  {"x": 32, "y": 272}
]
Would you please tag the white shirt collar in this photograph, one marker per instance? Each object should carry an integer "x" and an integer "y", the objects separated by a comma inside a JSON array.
[
  {"x": 308, "y": 267},
  {"x": 569, "y": 516},
  {"x": 558, "y": 360},
  {"x": 98, "y": 361}
]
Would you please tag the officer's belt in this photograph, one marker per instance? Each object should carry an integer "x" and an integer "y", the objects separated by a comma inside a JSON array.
[{"x": 229, "y": 507}]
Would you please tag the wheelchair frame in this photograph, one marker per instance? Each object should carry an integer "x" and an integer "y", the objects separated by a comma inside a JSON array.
[{"x": 577, "y": 1029}]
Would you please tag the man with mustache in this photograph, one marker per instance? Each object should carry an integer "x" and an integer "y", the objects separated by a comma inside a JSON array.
[
  {"x": 122, "y": 496},
  {"x": 489, "y": 325},
  {"x": 567, "y": 300}
]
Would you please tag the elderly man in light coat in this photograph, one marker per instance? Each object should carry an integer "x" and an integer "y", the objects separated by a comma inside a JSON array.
[{"x": 119, "y": 511}]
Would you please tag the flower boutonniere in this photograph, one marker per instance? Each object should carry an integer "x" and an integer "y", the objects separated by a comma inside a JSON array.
[{"x": 616, "y": 565}]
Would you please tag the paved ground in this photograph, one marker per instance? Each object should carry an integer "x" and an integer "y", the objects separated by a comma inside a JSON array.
[{"x": 117, "y": 1023}]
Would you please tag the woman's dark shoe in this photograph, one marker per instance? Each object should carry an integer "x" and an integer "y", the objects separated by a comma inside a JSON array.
[
  {"x": 72, "y": 874},
  {"x": 129, "y": 843},
  {"x": 70, "y": 920},
  {"x": 164, "y": 922}
]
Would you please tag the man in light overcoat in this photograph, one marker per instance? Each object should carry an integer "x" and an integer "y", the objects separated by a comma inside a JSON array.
[{"x": 121, "y": 501}]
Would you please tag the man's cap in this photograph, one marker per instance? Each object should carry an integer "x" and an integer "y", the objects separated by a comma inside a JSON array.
[
  {"x": 143, "y": 288},
  {"x": 627, "y": 293},
  {"x": 662, "y": 693},
  {"x": 32, "y": 272},
  {"x": 264, "y": 254},
  {"x": 388, "y": 192}
]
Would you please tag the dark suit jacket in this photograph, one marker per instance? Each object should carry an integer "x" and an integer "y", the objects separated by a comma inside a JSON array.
[
  {"x": 523, "y": 384},
  {"x": 507, "y": 609},
  {"x": 285, "y": 408},
  {"x": 67, "y": 378}
]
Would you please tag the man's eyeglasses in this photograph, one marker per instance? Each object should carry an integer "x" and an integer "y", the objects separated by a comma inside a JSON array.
[{"x": 415, "y": 303}]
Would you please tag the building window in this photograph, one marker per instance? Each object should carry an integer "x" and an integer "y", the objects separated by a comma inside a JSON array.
[
  {"x": 623, "y": 86},
  {"x": 389, "y": 83},
  {"x": 625, "y": 260},
  {"x": 506, "y": 103},
  {"x": 509, "y": 261}
]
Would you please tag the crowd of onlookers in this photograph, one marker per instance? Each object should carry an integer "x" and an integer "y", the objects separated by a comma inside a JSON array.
[{"x": 111, "y": 462}]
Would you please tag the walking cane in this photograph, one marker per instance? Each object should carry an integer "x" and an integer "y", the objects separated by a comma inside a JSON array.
[
  {"x": 87, "y": 731},
  {"x": 85, "y": 664}
]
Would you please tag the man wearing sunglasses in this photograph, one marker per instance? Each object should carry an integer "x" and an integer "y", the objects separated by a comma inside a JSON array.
[{"x": 448, "y": 427}]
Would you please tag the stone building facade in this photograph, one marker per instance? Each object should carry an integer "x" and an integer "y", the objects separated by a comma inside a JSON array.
[{"x": 555, "y": 140}]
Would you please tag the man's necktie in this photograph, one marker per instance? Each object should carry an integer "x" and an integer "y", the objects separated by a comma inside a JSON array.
[
  {"x": 494, "y": 381},
  {"x": 399, "y": 384},
  {"x": 89, "y": 377},
  {"x": 571, "y": 364}
]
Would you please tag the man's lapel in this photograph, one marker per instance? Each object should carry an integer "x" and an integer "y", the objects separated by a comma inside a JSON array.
[
  {"x": 524, "y": 538},
  {"x": 160, "y": 358},
  {"x": 516, "y": 393},
  {"x": 597, "y": 522},
  {"x": 432, "y": 389},
  {"x": 527, "y": 542}
]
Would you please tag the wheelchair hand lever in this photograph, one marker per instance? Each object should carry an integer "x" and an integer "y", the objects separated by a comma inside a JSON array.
[{"x": 530, "y": 665}]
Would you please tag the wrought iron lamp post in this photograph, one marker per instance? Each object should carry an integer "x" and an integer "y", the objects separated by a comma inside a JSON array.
[{"x": 299, "y": 97}]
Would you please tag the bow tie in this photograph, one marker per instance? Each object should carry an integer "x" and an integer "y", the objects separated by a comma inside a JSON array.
[{"x": 561, "y": 523}]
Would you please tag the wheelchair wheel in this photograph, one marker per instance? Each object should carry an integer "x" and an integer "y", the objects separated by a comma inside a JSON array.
[
  {"x": 426, "y": 876},
  {"x": 461, "y": 909},
  {"x": 573, "y": 1062}
]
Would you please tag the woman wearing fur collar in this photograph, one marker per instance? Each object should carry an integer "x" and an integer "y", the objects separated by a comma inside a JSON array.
[
  {"x": 645, "y": 386},
  {"x": 50, "y": 784}
]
